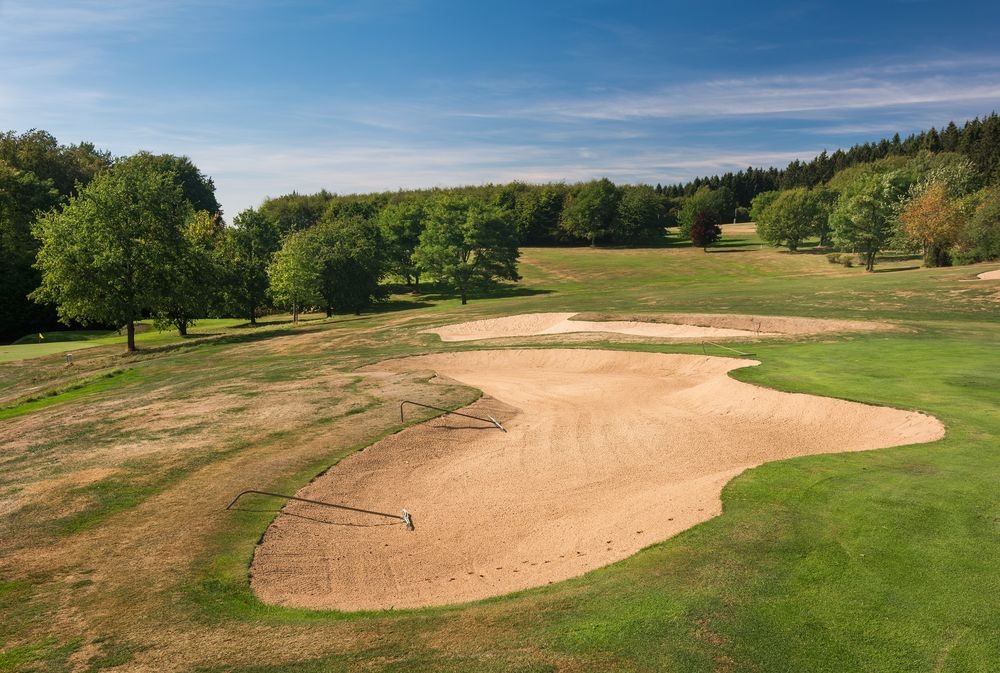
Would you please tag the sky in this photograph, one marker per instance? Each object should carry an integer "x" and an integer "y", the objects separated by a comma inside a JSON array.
[{"x": 371, "y": 95}]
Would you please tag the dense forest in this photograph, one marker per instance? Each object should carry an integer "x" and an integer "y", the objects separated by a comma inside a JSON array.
[{"x": 87, "y": 238}]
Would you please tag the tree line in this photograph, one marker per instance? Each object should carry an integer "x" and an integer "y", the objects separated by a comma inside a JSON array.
[
  {"x": 555, "y": 213},
  {"x": 143, "y": 236},
  {"x": 978, "y": 140},
  {"x": 168, "y": 254},
  {"x": 939, "y": 204}
]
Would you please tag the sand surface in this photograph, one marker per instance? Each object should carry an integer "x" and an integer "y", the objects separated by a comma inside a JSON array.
[
  {"x": 669, "y": 326},
  {"x": 606, "y": 453},
  {"x": 989, "y": 275}
]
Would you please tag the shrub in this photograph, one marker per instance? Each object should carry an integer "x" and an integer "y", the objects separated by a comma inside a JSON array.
[{"x": 845, "y": 258}]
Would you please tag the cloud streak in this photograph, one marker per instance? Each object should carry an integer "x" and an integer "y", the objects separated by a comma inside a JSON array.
[{"x": 787, "y": 95}]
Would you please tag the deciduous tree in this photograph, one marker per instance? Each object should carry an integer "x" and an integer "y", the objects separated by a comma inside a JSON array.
[
  {"x": 109, "y": 255},
  {"x": 789, "y": 217},
  {"x": 590, "y": 213},
  {"x": 864, "y": 217},
  {"x": 197, "y": 275},
  {"x": 718, "y": 203},
  {"x": 353, "y": 262},
  {"x": 468, "y": 246},
  {"x": 400, "y": 225},
  {"x": 704, "y": 230},
  {"x": 295, "y": 273},
  {"x": 642, "y": 215},
  {"x": 934, "y": 222},
  {"x": 247, "y": 250}
]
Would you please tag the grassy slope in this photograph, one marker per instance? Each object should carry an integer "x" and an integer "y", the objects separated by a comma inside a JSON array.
[{"x": 879, "y": 561}]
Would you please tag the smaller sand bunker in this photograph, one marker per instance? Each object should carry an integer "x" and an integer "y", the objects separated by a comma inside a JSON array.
[
  {"x": 669, "y": 326},
  {"x": 989, "y": 275},
  {"x": 605, "y": 453}
]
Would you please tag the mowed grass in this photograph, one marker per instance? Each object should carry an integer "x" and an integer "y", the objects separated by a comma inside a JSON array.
[
  {"x": 877, "y": 561},
  {"x": 50, "y": 343}
]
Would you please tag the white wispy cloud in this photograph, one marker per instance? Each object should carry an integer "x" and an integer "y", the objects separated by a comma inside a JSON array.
[
  {"x": 31, "y": 19},
  {"x": 783, "y": 95}
]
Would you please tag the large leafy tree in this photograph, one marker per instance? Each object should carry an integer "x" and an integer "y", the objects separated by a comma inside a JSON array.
[
  {"x": 295, "y": 273},
  {"x": 246, "y": 252},
  {"x": 400, "y": 225},
  {"x": 337, "y": 265},
  {"x": 198, "y": 276},
  {"x": 65, "y": 166},
  {"x": 468, "y": 246},
  {"x": 864, "y": 217},
  {"x": 788, "y": 217},
  {"x": 295, "y": 212},
  {"x": 979, "y": 239},
  {"x": 641, "y": 215},
  {"x": 109, "y": 256},
  {"x": 198, "y": 188},
  {"x": 353, "y": 259},
  {"x": 590, "y": 213},
  {"x": 718, "y": 203},
  {"x": 36, "y": 175},
  {"x": 22, "y": 195},
  {"x": 933, "y": 221},
  {"x": 704, "y": 230}
]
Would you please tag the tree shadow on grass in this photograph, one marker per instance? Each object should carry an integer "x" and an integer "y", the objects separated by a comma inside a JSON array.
[
  {"x": 226, "y": 339},
  {"x": 901, "y": 268},
  {"x": 503, "y": 293}
]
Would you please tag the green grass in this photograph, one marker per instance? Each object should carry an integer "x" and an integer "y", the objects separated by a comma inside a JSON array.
[
  {"x": 51, "y": 343},
  {"x": 73, "y": 391},
  {"x": 883, "y": 561}
]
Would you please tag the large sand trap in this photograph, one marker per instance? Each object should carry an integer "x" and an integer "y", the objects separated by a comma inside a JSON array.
[
  {"x": 989, "y": 275},
  {"x": 670, "y": 326},
  {"x": 607, "y": 452}
]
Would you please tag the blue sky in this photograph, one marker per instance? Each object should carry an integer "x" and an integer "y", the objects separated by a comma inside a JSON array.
[{"x": 365, "y": 95}]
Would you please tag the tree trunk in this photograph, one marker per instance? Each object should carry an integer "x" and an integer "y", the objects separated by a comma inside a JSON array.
[
  {"x": 329, "y": 312},
  {"x": 464, "y": 298},
  {"x": 182, "y": 328},
  {"x": 870, "y": 260},
  {"x": 357, "y": 311},
  {"x": 130, "y": 339},
  {"x": 416, "y": 283},
  {"x": 253, "y": 316}
]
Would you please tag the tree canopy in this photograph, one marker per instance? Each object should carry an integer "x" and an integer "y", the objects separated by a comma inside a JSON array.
[
  {"x": 788, "y": 217},
  {"x": 590, "y": 213},
  {"x": 248, "y": 248},
  {"x": 468, "y": 246},
  {"x": 110, "y": 254},
  {"x": 864, "y": 217}
]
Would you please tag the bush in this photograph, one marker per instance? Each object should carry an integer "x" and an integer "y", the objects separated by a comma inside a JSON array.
[{"x": 845, "y": 258}]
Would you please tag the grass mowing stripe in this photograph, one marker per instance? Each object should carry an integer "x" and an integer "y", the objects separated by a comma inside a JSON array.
[{"x": 87, "y": 386}]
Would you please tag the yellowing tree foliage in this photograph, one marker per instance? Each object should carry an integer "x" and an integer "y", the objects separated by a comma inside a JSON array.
[{"x": 934, "y": 221}]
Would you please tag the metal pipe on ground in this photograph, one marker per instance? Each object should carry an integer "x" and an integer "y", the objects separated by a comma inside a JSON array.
[
  {"x": 488, "y": 419},
  {"x": 406, "y": 517}
]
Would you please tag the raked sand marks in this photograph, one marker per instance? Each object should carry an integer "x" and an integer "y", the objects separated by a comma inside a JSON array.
[
  {"x": 606, "y": 453},
  {"x": 671, "y": 326}
]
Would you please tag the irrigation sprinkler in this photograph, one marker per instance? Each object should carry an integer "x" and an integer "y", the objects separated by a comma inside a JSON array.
[
  {"x": 488, "y": 419},
  {"x": 406, "y": 517},
  {"x": 712, "y": 343}
]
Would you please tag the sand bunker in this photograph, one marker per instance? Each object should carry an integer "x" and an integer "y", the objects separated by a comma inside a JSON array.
[
  {"x": 989, "y": 275},
  {"x": 606, "y": 453},
  {"x": 670, "y": 326}
]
